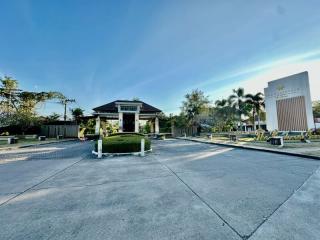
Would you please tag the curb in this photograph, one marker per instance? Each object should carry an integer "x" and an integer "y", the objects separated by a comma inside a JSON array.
[
  {"x": 254, "y": 149},
  {"x": 121, "y": 154},
  {"x": 34, "y": 145}
]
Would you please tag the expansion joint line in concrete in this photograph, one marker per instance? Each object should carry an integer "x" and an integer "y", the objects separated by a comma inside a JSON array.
[
  {"x": 203, "y": 201},
  {"x": 281, "y": 204},
  {"x": 104, "y": 183},
  {"x": 62, "y": 170}
]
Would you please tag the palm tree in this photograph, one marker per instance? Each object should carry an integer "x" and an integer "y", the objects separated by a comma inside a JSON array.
[
  {"x": 224, "y": 113},
  {"x": 221, "y": 103},
  {"x": 77, "y": 113},
  {"x": 53, "y": 117},
  {"x": 257, "y": 103},
  {"x": 237, "y": 100}
]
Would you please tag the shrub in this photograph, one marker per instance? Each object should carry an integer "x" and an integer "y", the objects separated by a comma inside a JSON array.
[
  {"x": 274, "y": 133},
  {"x": 126, "y": 134},
  {"x": 287, "y": 137},
  {"x": 92, "y": 136},
  {"x": 314, "y": 136},
  {"x": 260, "y": 136},
  {"x": 19, "y": 129},
  {"x": 123, "y": 143},
  {"x": 146, "y": 129}
]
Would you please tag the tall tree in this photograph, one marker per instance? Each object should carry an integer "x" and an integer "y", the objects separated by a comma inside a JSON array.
[
  {"x": 29, "y": 100},
  {"x": 237, "y": 100},
  {"x": 257, "y": 103},
  {"x": 221, "y": 103},
  {"x": 180, "y": 120},
  {"x": 316, "y": 109},
  {"x": 194, "y": 103},
  {"x": 53, "y": 117},
  {"x": 18, "y": 107},
  {"x": 8, "y": 93},
  {"x": 77, "y": 113},
  {"x": 224, "y": 115}
]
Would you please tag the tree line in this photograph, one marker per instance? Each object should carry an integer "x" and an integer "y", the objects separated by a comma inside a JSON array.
[
  {"x": 223, "y": 115},
  {"x": 226, "y": 114},
  {"x": 19, "y": 107}
]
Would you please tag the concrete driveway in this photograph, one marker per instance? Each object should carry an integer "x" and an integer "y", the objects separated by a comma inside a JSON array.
[{"x": 183, "y": 190}]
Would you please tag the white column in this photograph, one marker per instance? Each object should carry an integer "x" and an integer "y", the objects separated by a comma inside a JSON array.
[
  {"x": 120, "y": 122},
  {"x": 156, "y": 125},
  {"x": 97, "y": 130},
  {"x": 151, "y": 126},
  {"x": 136, "y": 122}
]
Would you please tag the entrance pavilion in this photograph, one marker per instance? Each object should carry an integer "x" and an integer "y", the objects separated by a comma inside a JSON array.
[{"x": 128, "y": 114}]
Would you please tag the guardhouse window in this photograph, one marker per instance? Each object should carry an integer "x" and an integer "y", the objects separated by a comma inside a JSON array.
[{"x": 128, "y": 108}]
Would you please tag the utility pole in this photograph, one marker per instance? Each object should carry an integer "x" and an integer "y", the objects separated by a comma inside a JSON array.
[{"x": 65, "y": 101}]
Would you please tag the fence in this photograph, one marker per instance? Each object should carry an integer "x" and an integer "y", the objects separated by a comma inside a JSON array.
[
  {"x": 181, "y": 132},
  {"x": 52, "y": 131}
]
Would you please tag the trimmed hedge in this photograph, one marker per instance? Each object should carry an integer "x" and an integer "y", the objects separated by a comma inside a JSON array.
[
  {"x": 123, "y": 143},
  {"x": 126, "y": 133},
  {"x": 92, "y": 136}
]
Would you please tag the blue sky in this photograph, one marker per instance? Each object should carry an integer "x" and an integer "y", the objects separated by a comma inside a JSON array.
[{"x": 99, "y": 51}]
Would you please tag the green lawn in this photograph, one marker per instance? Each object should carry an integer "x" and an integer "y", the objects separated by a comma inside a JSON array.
[{"x": 312, "y": 149}]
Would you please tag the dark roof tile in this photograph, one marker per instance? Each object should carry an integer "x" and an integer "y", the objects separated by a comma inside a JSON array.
[{"x": 111, "y": 107}]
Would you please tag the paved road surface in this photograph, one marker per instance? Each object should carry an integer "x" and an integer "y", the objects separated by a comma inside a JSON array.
[{"x": 183, "y": 190}]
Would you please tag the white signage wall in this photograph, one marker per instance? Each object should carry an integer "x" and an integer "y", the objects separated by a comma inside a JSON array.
[{"x": 292, "y": 97}]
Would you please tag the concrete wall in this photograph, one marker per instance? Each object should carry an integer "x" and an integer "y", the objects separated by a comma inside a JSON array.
[{"x": 284, "y": 88}]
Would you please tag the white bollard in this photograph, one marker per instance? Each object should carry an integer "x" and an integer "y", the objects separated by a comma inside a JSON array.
[
  {"x": 281, "y": 141},
  {"x": 99, "y": 148},
  {"x": 142, "y": 147}
]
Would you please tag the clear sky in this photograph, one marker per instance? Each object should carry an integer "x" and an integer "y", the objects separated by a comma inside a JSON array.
[{"x": 99, "y": 51}]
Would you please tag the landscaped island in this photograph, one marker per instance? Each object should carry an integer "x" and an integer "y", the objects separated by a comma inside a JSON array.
[{"x": 124, "y": 143}]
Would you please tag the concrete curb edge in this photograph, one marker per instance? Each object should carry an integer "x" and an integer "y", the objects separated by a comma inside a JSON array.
[
  {"x": 254, "y": 149},
  {"x": 120, "y": 154},
  {"x": 34, "y": 145}
]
